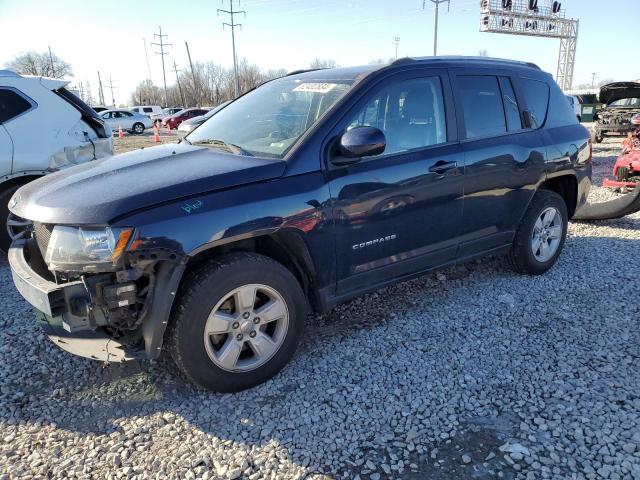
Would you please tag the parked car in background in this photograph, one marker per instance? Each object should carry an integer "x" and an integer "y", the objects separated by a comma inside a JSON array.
[
  {"x": 166, "y": 112},
  {"x": 43, "y": 128},
  {"x": 176, "y": 119},
  {"x": 305, "y": 192},
  {"x": 575, "y": 105},
  {"x": 189, "y": 125},
  {"x": 129, "y": 121},
  {"x": 622, "y": 100},
  {"x": 147, "y": 110}
]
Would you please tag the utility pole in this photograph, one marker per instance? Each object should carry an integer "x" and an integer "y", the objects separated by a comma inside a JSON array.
[
  {"x": 53, "y": 70},
  {"x": 233, "y": 26},
  {"x": 193, "y": 75},
  {"x": 111, "y": 87},
  {"x": 435, "y": 29},
  {"x": 146, "y": 56},
  {"x": 396, "y": 40},
  {"x": 162, "y": 53},
  {"x": 593, "y": 80},
  {"x": 100, "y": 90},
  {"x": 81, "y": 92},
  {"x": 175, "y": 69}
]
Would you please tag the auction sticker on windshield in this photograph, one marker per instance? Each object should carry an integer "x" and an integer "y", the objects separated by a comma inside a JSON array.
[{"x": 315, "y": 87}]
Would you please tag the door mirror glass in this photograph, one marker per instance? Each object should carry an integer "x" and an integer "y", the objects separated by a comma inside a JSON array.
[{"x": 362, "y": 142}]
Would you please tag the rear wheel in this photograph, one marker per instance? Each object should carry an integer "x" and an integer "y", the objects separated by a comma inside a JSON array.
[
  {"x": 237, "y": 323},
  {"x": 541, "y": 235},
  {"x": 138, "y": 128}
]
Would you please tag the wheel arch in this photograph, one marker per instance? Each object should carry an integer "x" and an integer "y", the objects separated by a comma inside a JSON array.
[
  {"x": 285, "y": 246},
  {"x": 567, "y": 187}
]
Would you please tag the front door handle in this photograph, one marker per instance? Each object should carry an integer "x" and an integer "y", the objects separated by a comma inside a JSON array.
[{"x": 441, "y": 167}]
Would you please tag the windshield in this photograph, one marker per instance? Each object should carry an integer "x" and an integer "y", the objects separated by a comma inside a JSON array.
[
  {"x": 270, "y": 119},
  {"x": 626, "y": 103}
]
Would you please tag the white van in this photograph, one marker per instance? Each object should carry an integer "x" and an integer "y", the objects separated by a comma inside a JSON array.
[
  {"x": 147, "y": 110},
  {"x": 43, "y": 128}
]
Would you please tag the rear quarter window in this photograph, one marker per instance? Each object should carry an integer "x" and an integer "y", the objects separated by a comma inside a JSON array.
[
  {"x": 12, "y": 104},
  {"x": 536, "y": 94}
]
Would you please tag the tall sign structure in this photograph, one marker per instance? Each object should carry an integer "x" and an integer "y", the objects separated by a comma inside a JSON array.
[{"x": 531, "y": 18}]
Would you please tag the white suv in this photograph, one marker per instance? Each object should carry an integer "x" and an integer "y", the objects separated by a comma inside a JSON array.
[{"x": 43, "y": 128}]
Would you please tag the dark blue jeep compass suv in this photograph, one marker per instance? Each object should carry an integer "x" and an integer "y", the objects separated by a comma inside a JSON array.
[{"x": 305, "y": 192}]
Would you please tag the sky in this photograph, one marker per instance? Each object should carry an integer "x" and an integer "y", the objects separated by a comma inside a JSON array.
[{"x": 110, "y": 36}]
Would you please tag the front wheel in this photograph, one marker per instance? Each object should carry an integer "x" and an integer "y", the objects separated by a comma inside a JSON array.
[
  {"x": 541, "y": 235},
  {"x": 237, "y": 323}
]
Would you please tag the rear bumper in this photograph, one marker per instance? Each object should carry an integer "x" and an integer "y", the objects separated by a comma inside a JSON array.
[{"x": 52, "y": 304}]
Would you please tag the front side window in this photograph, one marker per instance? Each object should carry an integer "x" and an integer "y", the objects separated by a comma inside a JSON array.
[
  {"x": 410, "y": 113},
  {"x": 270, "y": 119},
  {"x": 482, "y": 105},
  {"x": 536, "y": 94},
  {"x": 12, "y": 104}
]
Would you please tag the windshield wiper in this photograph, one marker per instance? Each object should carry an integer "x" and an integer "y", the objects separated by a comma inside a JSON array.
[{"x": 235, "y": 149}]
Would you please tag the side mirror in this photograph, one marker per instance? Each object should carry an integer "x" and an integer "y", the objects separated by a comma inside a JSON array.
[{"x": 359, "y": 142}]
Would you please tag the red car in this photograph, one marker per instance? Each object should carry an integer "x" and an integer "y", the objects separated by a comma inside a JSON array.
[{"x": 174, "y": 120}]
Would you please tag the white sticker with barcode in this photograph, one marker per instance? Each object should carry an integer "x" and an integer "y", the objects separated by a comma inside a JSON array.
[{"x": 315, "y": 87}]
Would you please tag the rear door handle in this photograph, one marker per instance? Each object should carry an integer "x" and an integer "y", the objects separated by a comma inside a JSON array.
[{"x": 441, "y": 167}]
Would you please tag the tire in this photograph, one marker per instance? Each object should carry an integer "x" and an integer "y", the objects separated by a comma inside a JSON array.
[
  {"x": 598, "y": 137},
  {"x": 138, "y": 128},
  {"x": 204, "y": 291},
  {"x": 522, "y": 256}
]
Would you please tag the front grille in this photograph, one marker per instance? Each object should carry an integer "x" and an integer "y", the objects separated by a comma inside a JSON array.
[{"x": 42, "y": 234}]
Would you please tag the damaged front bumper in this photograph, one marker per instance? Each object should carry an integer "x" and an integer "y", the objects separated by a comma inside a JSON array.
[{"x": 77, "y": 316}]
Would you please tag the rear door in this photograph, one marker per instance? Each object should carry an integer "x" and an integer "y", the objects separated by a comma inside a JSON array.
[
  {"x": 503, "y": 161},
  {"x": 399, "y": 212}
]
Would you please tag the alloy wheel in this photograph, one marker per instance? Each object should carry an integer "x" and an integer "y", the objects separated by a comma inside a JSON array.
[
  {"x": 17, "y": 227},
  {"x": 246, "y": 328},
  {"x": 547, "y": 233}
]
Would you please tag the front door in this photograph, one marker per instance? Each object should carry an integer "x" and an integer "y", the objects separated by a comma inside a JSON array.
[{"x": 399, "y": 212}]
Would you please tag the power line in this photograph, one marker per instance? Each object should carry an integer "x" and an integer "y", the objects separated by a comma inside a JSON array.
[
  {"x": 176, "y": 70},
  {"x": 435, "y": 29},
  {"x": 161, "y": 43},
  {"x": 146, "y": 56},
  {"x": 233, "y": 26}
]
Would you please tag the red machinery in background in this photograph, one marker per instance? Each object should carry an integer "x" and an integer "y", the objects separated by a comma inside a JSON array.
[{"x": 626, "y": 170}]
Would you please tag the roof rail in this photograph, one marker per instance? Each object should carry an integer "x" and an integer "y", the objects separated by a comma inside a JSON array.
[
  {"x": 8, "y": 73},
  {"x": 304, "y": 70},
  {"x": 407, "y": 60}
]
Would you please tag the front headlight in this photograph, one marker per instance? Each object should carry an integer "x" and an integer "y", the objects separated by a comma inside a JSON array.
[{"x": 84, "y": 249}]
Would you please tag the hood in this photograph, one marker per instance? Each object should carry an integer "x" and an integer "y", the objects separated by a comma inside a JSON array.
[
  {"x": 98, "y": 192},
  {"x": 616, "y": 91}
]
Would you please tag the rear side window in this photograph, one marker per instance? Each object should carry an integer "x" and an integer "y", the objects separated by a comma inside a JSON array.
[
  {"x": 512, "y": 112},
  {"x": 482, "y": 105},
  {"x": 536, "y": 94},
  {"x": 12, "y": 104},
  {"x": 148, "y": 109}
]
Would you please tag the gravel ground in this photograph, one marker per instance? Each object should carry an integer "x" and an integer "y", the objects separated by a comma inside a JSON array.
[{"x": 472, "y": 372}]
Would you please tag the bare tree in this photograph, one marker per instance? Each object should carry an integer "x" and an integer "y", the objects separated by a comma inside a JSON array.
[
  {"x": 41, "y": 64},
  {"x": 323, "y": 63},
  {"x": 483, "y": 52}
]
